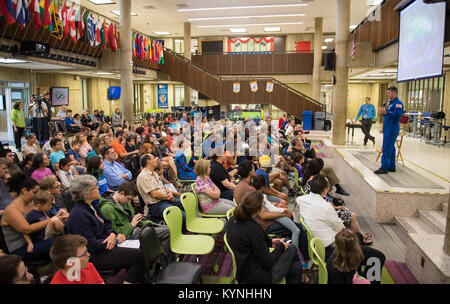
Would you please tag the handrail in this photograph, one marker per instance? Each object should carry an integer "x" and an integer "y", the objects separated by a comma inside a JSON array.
[{"x": 218, "y": 77}]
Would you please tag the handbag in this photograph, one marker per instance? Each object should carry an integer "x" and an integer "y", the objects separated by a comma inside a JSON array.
[{"x": 359, "y": 280}]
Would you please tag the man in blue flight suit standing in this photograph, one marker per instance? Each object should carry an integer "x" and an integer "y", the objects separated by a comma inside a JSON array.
[{"x": 391, "y": 127}]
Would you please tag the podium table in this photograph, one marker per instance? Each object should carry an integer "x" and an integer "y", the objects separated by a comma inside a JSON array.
[{"x": 352, "y": 125}]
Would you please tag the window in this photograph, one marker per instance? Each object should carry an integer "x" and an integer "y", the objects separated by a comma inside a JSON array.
[
  {"x": 179, "y": 46},
  {"x": 425, "y": 95},
  {"x": 179, "y": 96}
]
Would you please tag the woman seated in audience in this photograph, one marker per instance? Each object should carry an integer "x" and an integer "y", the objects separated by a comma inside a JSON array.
[
  {"x": 14, "y": 224},
  {"x": 66, "y": 252},
  {"x": 220, "y": 177},
  {"x": 85, "y": 148},
  {"x": 31, "y": 146},
  {"x": 184, "y": 172},
  {"x": 13, "y": 270},
  {"x": 311, "y": 170},
  {"x": 39, "y": 167},
  {"x": 26, "y": 163},
  {"x": 250, "y": 244},
  {"x": 95, "y": 168},
  {"x": 126, "y": 125},
  {"x": 343, "y": 264},
  {"x": 87, "y": 220},
  {"x": 208, "y": 193},
  {"x": 99, "y": 143}
]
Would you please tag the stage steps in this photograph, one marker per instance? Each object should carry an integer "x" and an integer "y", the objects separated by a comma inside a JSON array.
[{"x": 426, "y": 221}]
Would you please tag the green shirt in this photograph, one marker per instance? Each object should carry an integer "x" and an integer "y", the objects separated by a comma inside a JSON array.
[{"x": 18, "y": 116}]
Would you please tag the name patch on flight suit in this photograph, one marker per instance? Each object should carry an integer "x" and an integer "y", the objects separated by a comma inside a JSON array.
[{"x": 399, "y": 105}]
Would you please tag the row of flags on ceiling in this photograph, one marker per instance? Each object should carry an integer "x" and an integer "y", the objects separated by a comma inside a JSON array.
[
  {"x": 147, "y": 49},
  {"x": 62, "y": 19}
]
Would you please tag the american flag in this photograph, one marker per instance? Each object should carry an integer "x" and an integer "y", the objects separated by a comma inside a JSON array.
[{"x": 353, "y": 47}]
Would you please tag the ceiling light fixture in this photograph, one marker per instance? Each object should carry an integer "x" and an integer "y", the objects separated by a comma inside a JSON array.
[
  {"x": 118, "y": 13},
  {"x": 324, "y": 47},
  {"x": 272, "y": 29},
  {"x": 238, "y": 30},
  {"x": 328, "y": 40},
  {"x": 353, "y": 26},
  {"x": 243, "y": 25},
  {"x": 11, "y": 60},
  {"x": 240, "y": 7},
  {"x": 161, "y": 33},
  {"x": 246, "y": 17},
  {"x": 100, "y": 2},
  {"x": 103, "y": 73}
]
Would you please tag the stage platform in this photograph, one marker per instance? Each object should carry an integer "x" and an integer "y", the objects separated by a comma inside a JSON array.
[{"x": 400, "y": 193}]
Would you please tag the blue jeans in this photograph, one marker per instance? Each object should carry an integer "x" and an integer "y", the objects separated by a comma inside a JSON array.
[
  {"x": 279, "y": 229},
  {"x": 40, "y": 252},
  {"x": 156, "y": 210}
]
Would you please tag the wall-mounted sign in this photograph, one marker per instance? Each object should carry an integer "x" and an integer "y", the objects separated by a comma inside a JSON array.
[
  {"x": 236, "y": 87},
  {"x": 254, "y": 86}
]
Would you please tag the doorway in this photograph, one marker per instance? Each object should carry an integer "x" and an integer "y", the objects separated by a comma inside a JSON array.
[{"x": 10, "y": 93}]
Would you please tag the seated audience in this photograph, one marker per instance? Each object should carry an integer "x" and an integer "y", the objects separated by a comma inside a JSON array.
[
  {"x": 119, "y": 148},
  {"x": 25, "y": 164},
  {"x": 324, "y": 223},
  {"x": 208, "y": 193},
  {"x": 5, "y": 196},
  {"x": 99, "y": 143},
  {"x": 15, "y": 225},
  {"x": 9, "y": 156},
  {"x": 40, "y": 167},
  {"x": 31, "y": 146},
  {"x": 47, "y": 149},
  {"x": 184, "y": 172},
  {"x": 220, "y": 177},
  {"x": 95, "y": 168},
  {"x": 115, "y": 173},
  {"x": 64, "y": 250},
  {"x": 57, "y": 153},
  {"x": 87, "y": 220},
  {"x": 66, "y": 172},
  {"x": 275, "y": 177},
  {"x": 250, "y": 244},
  {"x": 169, "y": 186},
  {"x": 71, "y": 125},
  {"x": 53, "y": 186}
]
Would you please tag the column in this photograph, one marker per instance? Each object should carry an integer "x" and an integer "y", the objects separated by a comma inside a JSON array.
[
  {"x": 318, "y": 39},
  {"x": 447, "y": 234},
  {"x": 126, "y": 61},
  {"x": 341, "y": 87},
  {"x": 187, "y": 54}
]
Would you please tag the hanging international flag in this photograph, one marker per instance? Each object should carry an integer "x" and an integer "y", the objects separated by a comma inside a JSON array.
[
  {"x": 45, "y": 13},
  {"x": 22, "y": 13},
  {"x": 56, "y": 27},
  {"x": 72, "y": 26},
  {"x": 269, "y": 86},
  {"x": 79, "y": 23},
  {"x": 97, "y": 32},
  {"x": 112, "y": 36},
  {"x": 63, "y": 15},
  {"x": 84, "y": 27},
  {"x": 352, "y": 54},
  {"x": 161, "y": 53},
  {"x": 35, "y": 9},
  {"x": 102, "y": 34},
  {"x": 236, "y": 87},
  {"x": 91, "y": 29},
  {"x": 149, "y": 50},
  {"x": 254, "y": 86},
  {"x": 7, "y": 10},
  {"x": 133, "y": 45},
  {"x": 116, "y": 33}
]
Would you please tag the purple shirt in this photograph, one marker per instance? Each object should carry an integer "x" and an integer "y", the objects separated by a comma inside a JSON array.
[
  {"x": 201, "y": 185},
  {"x": 37, "y": 174}
]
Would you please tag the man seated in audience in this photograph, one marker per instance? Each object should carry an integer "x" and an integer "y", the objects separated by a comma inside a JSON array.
[
  {"x": 118, "y": 209},
  {"x": 324, "y": 223},
  {"x": 9, "y": 156},
  {"x": 114, "y": 172},
  {"x": 151, "y": 188},
  {"x": 47, "y": 149},
  {"x": 290, "y": 127},
  {"x": 64, "y": 251},
  {"x": 62, "y": 113},
  {"x": 57, "y": 153},
  {"x": 119, "y": 148},
  {"x": 71, "y": 126},
  {"x": 297, "y": 146},
  {"x": 5, "y": 196}
]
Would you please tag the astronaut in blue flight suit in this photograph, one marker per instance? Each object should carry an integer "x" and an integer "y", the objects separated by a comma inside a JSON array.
[{"x": 391, "y": 128}]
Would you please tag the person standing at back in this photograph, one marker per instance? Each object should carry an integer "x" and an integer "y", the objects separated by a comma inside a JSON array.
[
  {"x": 391, "y": 127},
  {"x": 367, "y": 113},
  {"x": 18, "y": 120}
]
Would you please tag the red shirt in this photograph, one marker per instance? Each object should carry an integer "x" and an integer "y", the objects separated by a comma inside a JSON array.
[
  {"x": 89, "y": 275},
  {"x": 280, "y": 122}
]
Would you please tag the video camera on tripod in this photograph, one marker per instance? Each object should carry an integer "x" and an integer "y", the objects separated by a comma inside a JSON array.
[{"x": 38, "y": 99}]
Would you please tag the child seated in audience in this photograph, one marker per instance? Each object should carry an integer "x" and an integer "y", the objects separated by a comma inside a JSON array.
[
  {"x": 43, "y": 203},
  {"x": 66, "y": 172},
  {"x": 163, "y": 147},
  {"x": 95, "y": 167},
  {"x": 57, "y": 153},
  {"x": 160, "y": 170},
  {"x": 74, "y": 154},
  {"x": 63, "y": 252}
]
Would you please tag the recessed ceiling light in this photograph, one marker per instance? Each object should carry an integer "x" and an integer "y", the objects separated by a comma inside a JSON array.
[
  {"x": 240, "y": 7},
  {"x": 102, "y": 1},
  {"x": 272, "y": 29},
  {"x": 118, "y": 13},
  {"x": 238, "y": 30},
  {"x": 243, "y": 25},
  {"x": 246, "y": 17},
  {"x": 10, "y": 60},
  {"x": 162, "y": 33},
  {"x": 328, "y": 40}
]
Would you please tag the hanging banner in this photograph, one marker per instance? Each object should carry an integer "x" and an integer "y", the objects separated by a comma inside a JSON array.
[
  {"x": 236, "y": 87},
  {"x": 162, "y": 96},
  {"x": 254, "y": 86},
  {"x": 269, "y": 87},
  {"x": 253, "y": 45}
]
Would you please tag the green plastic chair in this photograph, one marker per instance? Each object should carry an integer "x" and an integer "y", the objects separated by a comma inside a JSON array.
[
  {"x": 297, "y": 180},
  {"x": 233, "y": 273},
  {"x": 199, "y": 209},
  {"x": 318, "y": 258},
  {"x": 229, "y": 213},
  {"x": 309, "y": 236},
  {"x": 185, "y": 244},
  {"x": 234, "y": 201},
  {"x": 196, "y": 224}
]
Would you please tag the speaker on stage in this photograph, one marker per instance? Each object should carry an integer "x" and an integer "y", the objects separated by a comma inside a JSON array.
[{"x": 329, "y": 61}]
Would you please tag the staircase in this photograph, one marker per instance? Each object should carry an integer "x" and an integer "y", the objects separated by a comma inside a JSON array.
[
  {"x": 220, "y": 89},
  {"x": 425, "y": 256}
]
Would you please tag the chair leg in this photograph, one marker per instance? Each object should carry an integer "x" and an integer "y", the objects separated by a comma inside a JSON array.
[
  {"x": 213, "y": 260},
  {"x": 378, "y": 156}
]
